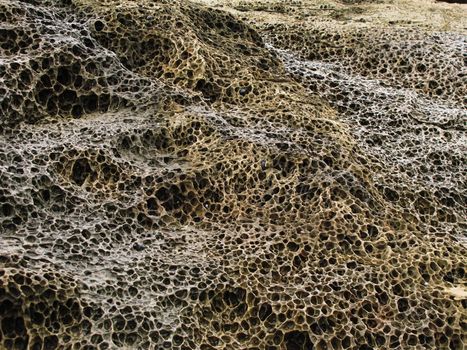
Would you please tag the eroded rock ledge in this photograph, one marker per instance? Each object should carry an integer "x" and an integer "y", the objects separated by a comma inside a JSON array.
[{"x": 232, "y": 175}]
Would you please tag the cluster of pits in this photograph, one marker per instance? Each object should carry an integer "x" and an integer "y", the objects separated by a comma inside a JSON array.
[
  {"x": 427, "y": 63},
  {"x": 169, "y": 181}
]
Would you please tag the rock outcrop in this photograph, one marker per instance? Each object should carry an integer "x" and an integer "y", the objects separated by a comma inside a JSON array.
[{"x": 263, "y": 175}]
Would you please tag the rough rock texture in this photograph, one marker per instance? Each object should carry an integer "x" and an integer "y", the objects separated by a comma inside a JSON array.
[{"x": 263, "y": 175}]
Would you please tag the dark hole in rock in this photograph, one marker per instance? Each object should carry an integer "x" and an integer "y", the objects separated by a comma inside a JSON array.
[
  {"x": 78, "y": 82},
  {"x": 80, "y": 171},
  {"x": 50, "y": 342},
  {"x": 25, "y": 77},
  {"x": 373, "y": 231},
  {"x": 391, "y": 195},
  {"x": 7, "y": 209},
  {"x": 383, "y": 298},
  {"x": 77, "y": 111},
  {"x": 89, "y": 102},
  {"x": 52, "y": 105},
  {"x": 64, "y": 76},
  {"x": 234, "y": 297},
  {"x": 8, "y": 326},
  {"x": 104, "y": 102},
  {"x": 11, "y": 322},
  {"x": 265, "y": 311},
  {"x": 298, "y": 340},
  {"x": 152, "y": 204},
  {"x": 36, "y": 317},
  {"x": 45, "y": 80},
  {"x": 67, "y": 97},
  {"x": 99, "y": 26},
  {"x": 163, "y": 194},
  {"x": 207, "y": 89},
  {"x": 402, "y": 304},
  {"x": 43, "y": 96},
  {"x": 88, "y": 43},
  {"x": 365, "y": 347}
]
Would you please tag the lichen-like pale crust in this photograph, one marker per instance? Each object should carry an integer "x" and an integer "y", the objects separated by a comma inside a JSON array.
[{"x": 259, "y": 175}]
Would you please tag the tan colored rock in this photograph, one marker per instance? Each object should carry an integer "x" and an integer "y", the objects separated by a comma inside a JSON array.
[{"x": 232, "y": 175}]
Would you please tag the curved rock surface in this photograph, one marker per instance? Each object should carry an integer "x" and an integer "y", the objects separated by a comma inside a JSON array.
[{"x": 232, "y": 175}]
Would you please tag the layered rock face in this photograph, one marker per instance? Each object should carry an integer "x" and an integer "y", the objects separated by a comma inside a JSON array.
[{"x": 232, "y": 175}]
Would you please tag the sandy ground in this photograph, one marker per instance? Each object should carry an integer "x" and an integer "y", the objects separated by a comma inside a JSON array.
[{"x": 429, "y": 14}]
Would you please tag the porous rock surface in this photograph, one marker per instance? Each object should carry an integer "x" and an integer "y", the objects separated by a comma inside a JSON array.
[{"x": 262, "y": 175}]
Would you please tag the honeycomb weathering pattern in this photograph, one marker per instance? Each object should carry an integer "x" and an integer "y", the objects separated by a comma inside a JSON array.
[{"x": 173, "y": 177}]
